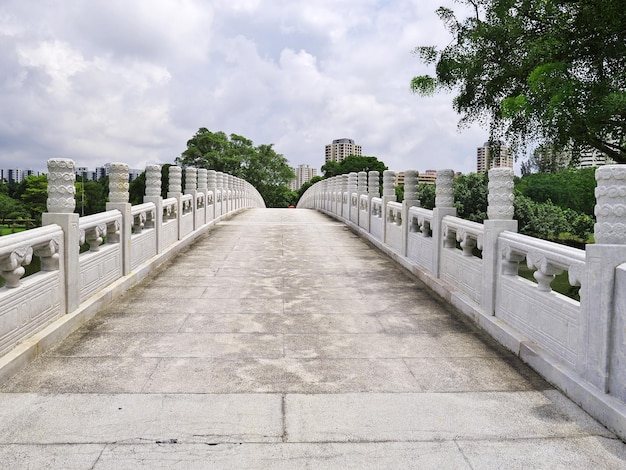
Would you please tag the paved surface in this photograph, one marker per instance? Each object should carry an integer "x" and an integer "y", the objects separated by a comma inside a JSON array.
[{"x": 282, "y": 340}]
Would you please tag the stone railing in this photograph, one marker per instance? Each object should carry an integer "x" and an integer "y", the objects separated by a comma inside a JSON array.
[
  {"x": 120, "y": 247},
  {"x": 579, "y": 346}
]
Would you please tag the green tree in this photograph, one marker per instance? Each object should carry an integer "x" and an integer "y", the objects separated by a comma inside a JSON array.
[
  {"x": 550, "y": 71},
  {"x": 470, "y": 196},
  {"x": 353, "y": 163},
  {"x": 11, "y": 209},
  {"x": 90, "y": 196},
  {"x": 137, "y": 189},
  {"x": 264, "y": 168},
  {"x": 427, "y": 195},
  {"x": 33, "y": 192},
  {"x": 568, "y": 189}
]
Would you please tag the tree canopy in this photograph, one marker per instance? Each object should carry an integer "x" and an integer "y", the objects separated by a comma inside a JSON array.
[
  {"x": 236, "y": 155},
  {"x": 550, "y": 71},
  {"x": 353, "y": 163}
]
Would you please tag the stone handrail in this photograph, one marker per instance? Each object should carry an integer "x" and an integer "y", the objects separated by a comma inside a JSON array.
[
  {"x": 125, "y": 244},
  {"x": 546, "y": 258},
  {"x": 580, "y": 346}
]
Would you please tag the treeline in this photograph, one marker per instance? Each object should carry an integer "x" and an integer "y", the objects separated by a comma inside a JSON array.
[{"x": 552, "y": 206}]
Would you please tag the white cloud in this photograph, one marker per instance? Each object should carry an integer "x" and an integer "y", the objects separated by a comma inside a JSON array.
[{"x": 132, "y": 81}]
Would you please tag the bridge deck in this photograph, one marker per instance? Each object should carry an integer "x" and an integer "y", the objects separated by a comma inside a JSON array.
[{"x": 282, "y": 340}]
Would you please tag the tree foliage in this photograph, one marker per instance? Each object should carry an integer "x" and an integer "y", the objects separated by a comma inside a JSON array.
[
  {"x": 353, "y": 163},
  {"x": 550, "y": 71},
  {"x": 33, "y": 192},
  {"x": 236, "y": 155},
  {"x": 568, "y": 189}
]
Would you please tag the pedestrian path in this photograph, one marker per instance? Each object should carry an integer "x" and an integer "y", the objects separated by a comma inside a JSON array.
[{"x": 282, "y": 340}]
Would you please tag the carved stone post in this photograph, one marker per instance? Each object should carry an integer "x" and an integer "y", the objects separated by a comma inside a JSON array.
[
  {"x": 361, "y": 190},
  {"x": 202, "y": 188},
  {"x": 219, "y": 178},
  {"x": 602, "y": 341},
  {"x": 373, "y": 190},
  {"x": 61, "y": 205},
  {"x": 212, "y": 195},
  {"x": 118, "y": 199},
  {"x": 353, "y": 200},
  {"x": 411, "y": 198},
  {"x": 175, "y": 190},
  {"x": 153, "y": 195},
  {"x": 389, "y": 195},
  {"x": 444, "y": 205},
  {"x": 191, "y": 185},
  {"x": 500, "y": 211}
]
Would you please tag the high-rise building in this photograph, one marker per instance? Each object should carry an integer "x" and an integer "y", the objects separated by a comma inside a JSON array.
[
  {"x": 16, "y": 175},
  {"x": 340, "y": 149},
  {"x": 427, "y": 177},
  {"x": 303, "y": 173},
  {"x": 488, "y": 157},
  {"x": 591, "y": 157}
]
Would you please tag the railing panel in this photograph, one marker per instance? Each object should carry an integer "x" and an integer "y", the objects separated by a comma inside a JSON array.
[
  {"x": 462, "y": 272},
  {"x": 102, "y": 264},
  {"x": 548, "y": 318},
  {"x": 377, "y": 220},
  {"x": 393, "y": 226},
  {"x": 364, "y": 210},
  {"x": 28, "y": 305},
  {"x": 419, "y": 241}
]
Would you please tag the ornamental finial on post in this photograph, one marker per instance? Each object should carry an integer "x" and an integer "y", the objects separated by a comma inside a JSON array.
[
  {"x": 153, "y": 180},
  {"x": 444, "y": 189},
  {"x": 610, "y": 210},
  {"x": 175, "y": 179},
  {"x": 118, "y": 183},
  {"x": 61, "y": 190},
  {"x": 500, "y": 196}
]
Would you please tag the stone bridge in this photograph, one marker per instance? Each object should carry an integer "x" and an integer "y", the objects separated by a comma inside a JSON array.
[{"x": 203, "y": 330}]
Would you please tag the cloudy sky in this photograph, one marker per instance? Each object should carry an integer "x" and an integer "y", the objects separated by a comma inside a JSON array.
[{"x": 132, "y": 80}]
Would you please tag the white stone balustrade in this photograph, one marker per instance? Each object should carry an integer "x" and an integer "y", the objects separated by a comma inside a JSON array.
[
  {"x": 125, "y": 244},
  {"x": 579, "y": 346}
]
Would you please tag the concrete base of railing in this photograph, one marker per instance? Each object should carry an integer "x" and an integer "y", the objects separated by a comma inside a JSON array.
[
  {"x": 28, "y": 350},
  {"x": 605, "y": 408}
]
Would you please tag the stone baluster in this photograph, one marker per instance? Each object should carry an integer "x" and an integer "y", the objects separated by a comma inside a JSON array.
[
  {"x": 389, "y": 195},
  {"x": 361, "y": 190},
  {"x": 191, "y": 187},
  {"x": 411, "y": 199},
  {"x": 153, "y": 195},
  {"x": 500, "y": 213},
  {"x": 373, "y": 184},
  {"x": 212, "y": 188},
  {"x": 353, "y": 199},
  {"x": 61, "y": 204},
  {"x": 219, "y": 178},
  {"x": 203, "y": 188},
  {"x": 444, "y": 205},
  {"x": 603, "y": 325},
  {"x": 345, "y": 201},
  {"x": 118, "y": 199},
  {"x": 175, "y": 190}
]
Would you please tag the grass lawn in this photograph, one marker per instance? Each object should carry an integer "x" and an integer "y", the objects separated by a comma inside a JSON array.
[{"x": 7, "y": 230}]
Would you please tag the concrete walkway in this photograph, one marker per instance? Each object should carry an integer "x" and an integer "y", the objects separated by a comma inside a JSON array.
[{"x": 282, "y": 340}]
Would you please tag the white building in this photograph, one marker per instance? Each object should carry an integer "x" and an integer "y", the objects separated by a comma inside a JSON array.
[
  {"x": 340, "y": 149},
  {"x": 487, "y": 158},
  {"x": 303, "y": 173},
  {"x": 17, "y": 175}
]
